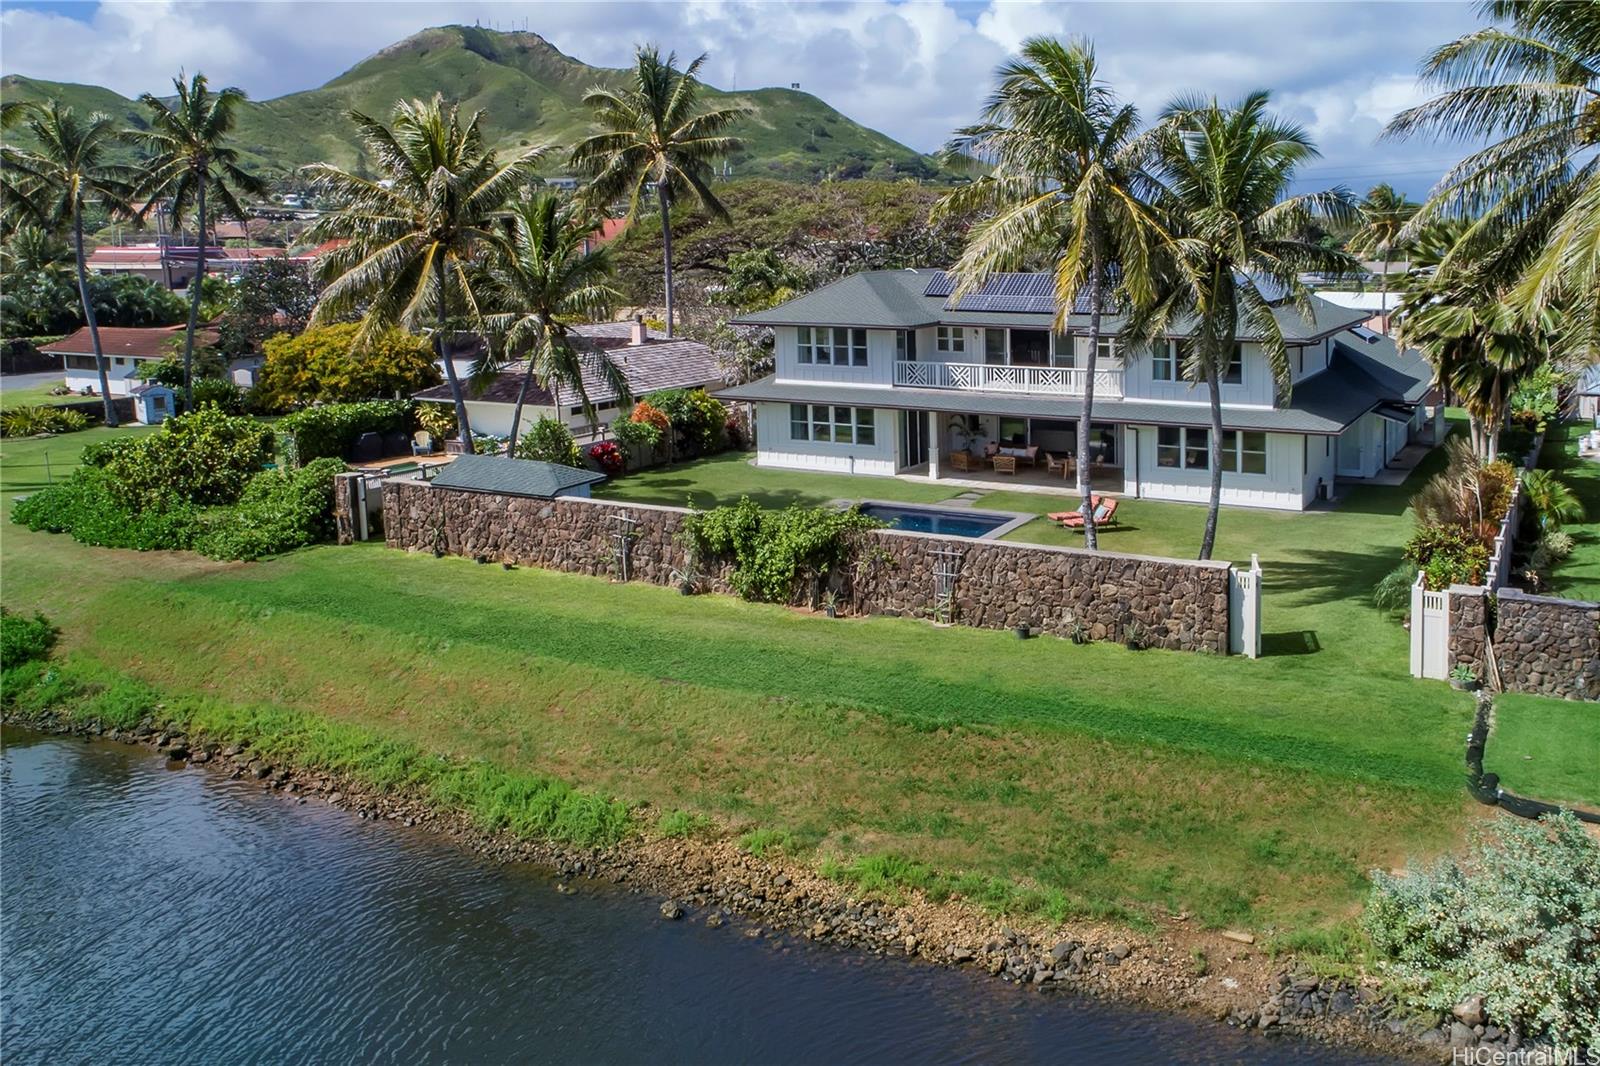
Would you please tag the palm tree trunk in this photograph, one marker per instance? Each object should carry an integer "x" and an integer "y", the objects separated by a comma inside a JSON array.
[
  {"x": 89, "y": 319},
  {"x": 1209, "y": 539},
  {"x": 463, "y": 426},
  {"x": 516, "y": 412},
  {"x": 194, "y": 297},
  {"x": 1085, "y": 467},
  {"x": 666, "y": 247}
]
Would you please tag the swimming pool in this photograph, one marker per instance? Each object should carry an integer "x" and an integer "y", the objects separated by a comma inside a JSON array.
[{"x": 948, "y": 522}]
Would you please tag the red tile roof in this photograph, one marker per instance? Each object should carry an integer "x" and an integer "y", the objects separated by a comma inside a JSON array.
[{"x": 151, "y": 343}]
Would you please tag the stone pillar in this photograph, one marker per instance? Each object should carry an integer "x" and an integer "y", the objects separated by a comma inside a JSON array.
[
  {"x": 933, "y": 443},
  {"x": 347, "y": 522}
]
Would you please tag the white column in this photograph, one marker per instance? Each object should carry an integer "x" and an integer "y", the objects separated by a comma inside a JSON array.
[{"x": 933, "y": 444}]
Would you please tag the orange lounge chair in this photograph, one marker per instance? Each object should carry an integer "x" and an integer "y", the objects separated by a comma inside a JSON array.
[
  {"x": 1105, "y": 514},
  {"x": 1062, "y": 516}
]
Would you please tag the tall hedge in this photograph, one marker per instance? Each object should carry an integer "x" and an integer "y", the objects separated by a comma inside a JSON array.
[{"x": 329, "y": 431}]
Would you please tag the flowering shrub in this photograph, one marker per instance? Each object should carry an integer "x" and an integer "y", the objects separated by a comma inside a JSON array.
[
  {"x": 696, "y": 418},
  {"x": 1514, "y": 923},
  {"x": 610, "y": 458}
]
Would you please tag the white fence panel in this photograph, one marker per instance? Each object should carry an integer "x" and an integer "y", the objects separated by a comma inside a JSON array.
[
  {"x": 1244, "y": 610},
  {"x": 1430, "y": 632}
]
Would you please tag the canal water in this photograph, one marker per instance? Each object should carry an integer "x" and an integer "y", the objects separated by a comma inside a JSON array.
[{"x": 153, "y": 913}]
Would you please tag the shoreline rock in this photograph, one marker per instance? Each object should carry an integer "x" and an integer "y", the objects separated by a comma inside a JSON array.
[{"x": 715, "y": 882}]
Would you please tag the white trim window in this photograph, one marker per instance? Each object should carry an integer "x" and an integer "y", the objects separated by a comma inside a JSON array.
[
  {"x": 950, "y": 339},
  {"x": 1064, "y": 350},
  {"x": 1183, "y": 448},
  {"x": 1235, "y": 372},
  {"x": 1166, "y": 361},
  {"x": 831, "y": 345},
  {"x": 1107, "y": 348},
  {"x": 828, "y": 424},
  {"x": 1244, "y": 451}
]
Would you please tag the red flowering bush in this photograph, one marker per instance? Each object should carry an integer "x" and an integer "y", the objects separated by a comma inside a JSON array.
[{"x": 609, "y": 456}]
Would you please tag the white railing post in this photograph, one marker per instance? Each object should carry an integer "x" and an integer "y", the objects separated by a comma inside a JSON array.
[
  {"x": 1244, "y": 609},
  {"x": 1417, "y": 625}
]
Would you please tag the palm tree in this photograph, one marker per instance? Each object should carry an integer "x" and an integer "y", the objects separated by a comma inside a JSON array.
[
  {"x": 1532, "y": 196},
  {"x": 1235, "y": 253},
  {"x": 1066, "y": 184},
  {"x": 544, "y": 279},
  {"x": 654, "y": 136},
  {"x": 1479, "y": 347},
  {"x": 414, "y": 237},
  {"x": 68, "y": 168},
  {"x": 1384, "y": 213},
  {"x": 191, "y": 160},
  {"x": 1552, "y": 499}
]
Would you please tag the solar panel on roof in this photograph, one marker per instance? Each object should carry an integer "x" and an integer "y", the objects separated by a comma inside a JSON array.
[{"x": 940, "y": 284}]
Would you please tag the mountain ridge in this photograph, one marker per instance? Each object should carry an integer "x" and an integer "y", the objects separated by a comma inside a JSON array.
[{"x": 531, "y": 93}]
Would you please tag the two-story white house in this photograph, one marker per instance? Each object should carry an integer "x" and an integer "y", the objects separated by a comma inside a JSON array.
[{"x": 886, "y": 373}]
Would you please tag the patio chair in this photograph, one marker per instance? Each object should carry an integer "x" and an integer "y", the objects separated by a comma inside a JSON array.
[
  {"x": 1005, "y": 464},
  {"x": 1061, "y": 517},
  {"x": 422, "y": 443},
  {"x": 1066, "y": 467},
  {"x": 1105, "y": 514},
  {"x": 964, "y": 460}
]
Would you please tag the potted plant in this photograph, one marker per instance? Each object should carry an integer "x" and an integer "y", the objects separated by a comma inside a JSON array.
[
  {"x": 1022, "y": 631},
  {"x": 830, "y": 603},
  {"x": 1464, "y": 678}
]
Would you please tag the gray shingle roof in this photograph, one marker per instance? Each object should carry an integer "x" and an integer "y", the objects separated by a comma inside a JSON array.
[
  {"x": 896, "y": 299},
  {"x": 1324, "y": 404},
  {"x": 657, "y": 364},
  {"x": 512, "y": 477}
]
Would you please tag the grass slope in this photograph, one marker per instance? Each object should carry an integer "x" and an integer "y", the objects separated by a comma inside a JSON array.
[
  {"x": 532, "y": 93},
  {"x": 1579, "y": 576}
]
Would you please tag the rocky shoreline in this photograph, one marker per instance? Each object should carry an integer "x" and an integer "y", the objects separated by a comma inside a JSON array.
[{"x": 1222, "y": 976}]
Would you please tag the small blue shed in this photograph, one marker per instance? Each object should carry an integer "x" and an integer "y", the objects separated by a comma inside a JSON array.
[{"x": 153, "y": 404}]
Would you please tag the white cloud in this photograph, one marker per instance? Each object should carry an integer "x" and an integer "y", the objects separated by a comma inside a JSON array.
[{"x": 915, "y": 70}]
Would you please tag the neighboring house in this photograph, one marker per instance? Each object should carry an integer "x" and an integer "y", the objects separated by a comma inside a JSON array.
[
  {"x": 885, "y": 373},
  {"x": 129, "y": 352},
  {"x": 514, "y": 477},
  {"x": 174, "y": 265},
  {"x": 1379, "y": 307},
  {"x": 650, "y": 361},
  {"x": 1587, "y": 395}
]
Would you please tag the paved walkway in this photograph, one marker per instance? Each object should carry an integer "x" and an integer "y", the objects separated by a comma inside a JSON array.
[{"x": 1400, "y": 466}]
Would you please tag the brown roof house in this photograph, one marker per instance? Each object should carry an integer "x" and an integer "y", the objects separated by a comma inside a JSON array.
[
  {"x": 130, "y": 353},
  {"x": 647, "y": 358}
]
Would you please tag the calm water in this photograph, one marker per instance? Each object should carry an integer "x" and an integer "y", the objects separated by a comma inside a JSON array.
[
  {"x": 166, "y": 915},
  {"x": 926, "y": 520}
]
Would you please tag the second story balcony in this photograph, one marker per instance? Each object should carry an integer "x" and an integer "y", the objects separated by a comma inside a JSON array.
[{"x": 1000, "y": 377}]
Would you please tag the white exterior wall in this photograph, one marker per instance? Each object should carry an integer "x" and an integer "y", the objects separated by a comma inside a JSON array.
[
  {"x": 1322, "y": 457},
  {"x": 121, "y": 376},
  {"x": 1360, "y": 450},
  {"x": 879, "y": 370},
  {"x": 1255, "y": 390},
  {"x": 1280, "y": 488},
  {"x": 775, "y": 447},
  {"x": 1310, "y": 360}
]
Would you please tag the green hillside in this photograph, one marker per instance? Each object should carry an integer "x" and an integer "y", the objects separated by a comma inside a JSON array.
[{"x": 532, "y": 94}]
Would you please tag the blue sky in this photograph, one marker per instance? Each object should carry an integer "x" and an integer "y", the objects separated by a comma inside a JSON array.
[{"x": 915, "y": 70}]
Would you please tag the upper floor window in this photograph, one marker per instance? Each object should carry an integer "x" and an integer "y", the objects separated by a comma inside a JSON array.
[
  {"x": 1166, "y": 361},
  {"x": 1235, "y": 372},
  {"x": 950, "y": 339},
  {"x": 994, "y": 346},
  {"x": 905, "y": 344},
  {"x": 836, "y": 345}
]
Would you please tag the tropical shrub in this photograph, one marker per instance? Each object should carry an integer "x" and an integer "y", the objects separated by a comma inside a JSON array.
[
  {"x": 208, "y": 365},
  {"x": 438, "y": 419},
  {"x": 774, "y": 551},
  {"x": 204, "y": 457},
  {"x": 23, "y": 639},
  {"x": 609, "y": 458},
  {"x": 219, "y": 393},
  {"x": 1514, "y": 922},
  {"x": 633, "y": 434},
  {"x": 330, "y": 430},
  {"x": 486, "y": 444},
  {"x": 278, "y": 512},
  {"x": 551, "y": 441},
  {"x": 1551, "y": 500},
  {"x": 1392, "y": 595},
  {"x": 100, "y": 452},
  {"x": 1469, "y": 493},
  {"x": 1535, "y": 401},
  {"x": 1447, "y": 555},
  {"x": 653, "y": 420},
  {"x": 323, "y": 365},
  {"x": 33, "y": 420},
  {"x": 696, "y": 418},
  {"x": 87, "y": 506}
]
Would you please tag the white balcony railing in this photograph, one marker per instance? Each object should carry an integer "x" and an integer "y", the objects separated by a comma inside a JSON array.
[{"x": 987, "y": 377}]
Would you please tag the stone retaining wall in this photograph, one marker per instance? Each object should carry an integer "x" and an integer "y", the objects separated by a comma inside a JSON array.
[
  {"x": 1181, "y": 605},
  {"x": 1469, "y": 627},
  {"x": 1547, "y": 645}
]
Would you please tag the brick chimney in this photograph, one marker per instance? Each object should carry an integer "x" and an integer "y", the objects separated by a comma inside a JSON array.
[{"x": 641, "y": 332}]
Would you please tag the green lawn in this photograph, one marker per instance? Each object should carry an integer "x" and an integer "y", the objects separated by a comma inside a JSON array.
[
  {"x": 11, "y": 396},
  {"x": 1579, "y": 577},
  {"x": 724, "y": 478},
  {"x": 30, "y": 463},
  {"x": 1104, "y": 780},
  {"x": 1546, "y": 749}
]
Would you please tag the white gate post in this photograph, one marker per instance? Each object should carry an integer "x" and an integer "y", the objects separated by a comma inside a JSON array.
[
  {"x": 1244, "y": 610},
  {"x": 1417, "y": 626}
]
